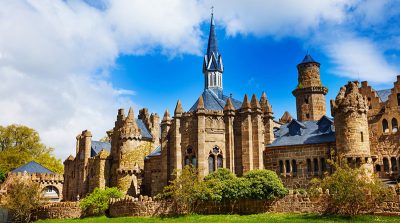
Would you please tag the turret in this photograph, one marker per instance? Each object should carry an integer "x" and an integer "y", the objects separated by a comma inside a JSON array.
[
  {"x": 310, "y": 94},
  {"x": 268, "y": 119},
  {"x": 351, "y": 125}
]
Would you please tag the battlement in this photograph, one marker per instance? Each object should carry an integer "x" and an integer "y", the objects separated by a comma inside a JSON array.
[{"x": 40, "y": 177}]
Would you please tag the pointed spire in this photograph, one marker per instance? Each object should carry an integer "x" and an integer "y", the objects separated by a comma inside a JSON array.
[
  {"x": 229, "y": 105},
  {"x": 200, "y": 104},
  {"x": 254, "y": 102},
  {"x": 308, "y": 59},
  {"x": 246, "y": 104},
  {"x": 166, "y": 116},
  {"x": 178, "y": 108},
  {"x": 212, "y": 40},
  {"x": 264, "y": 103},
  {"x": 130, "y": 116}
]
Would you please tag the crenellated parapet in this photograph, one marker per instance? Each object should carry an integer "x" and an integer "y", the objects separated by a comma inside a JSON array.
[{"x": 349, "y": 100}]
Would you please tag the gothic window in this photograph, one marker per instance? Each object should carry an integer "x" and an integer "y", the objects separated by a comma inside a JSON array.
[
  {"x": 309, "y": 169},
  {"x": 219, "y": 161},
  {"x": 323, "y": 165},
  {"x": 187, "y": 161},
  {"x": 385, "y": 164},
  {"x": 280, "y": 166},
  {"x": 294, "y": 166},
  {"x": 190, "y": 158},
  {"x": 393, "y": 161},
  {"x": 394, "y": 125},
  {"x": 215, "y": 150},
  {"x": 385, "y": 126},
  {"x": 211, "y": 163},
  {"x": 287, "y": 165},
  {"x": 362, "y": 137},
  {"x": 316, "y": 169},
  {"x": 194, "y": 161},
  {"x": 398, "y": 99}
]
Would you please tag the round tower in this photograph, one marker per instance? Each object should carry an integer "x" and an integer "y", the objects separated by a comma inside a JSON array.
[
  {"x": 309, "y": 93},
  {"x": 351, "y": 126}
]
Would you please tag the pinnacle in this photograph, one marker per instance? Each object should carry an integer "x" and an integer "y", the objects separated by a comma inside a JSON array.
[
  {"x": 246, "y": 104},
  {"x": 130, "y": 114},
  {"x": 229, "y": 105},
  {"x": 254, "y": 102},
  {"x": 178, "y": 108},
  {"x": 166, "y": 115},
  {"x": 200, "y": 104}
]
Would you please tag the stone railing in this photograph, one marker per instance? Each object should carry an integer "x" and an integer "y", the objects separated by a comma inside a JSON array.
[{"x": 58, "y": 210}]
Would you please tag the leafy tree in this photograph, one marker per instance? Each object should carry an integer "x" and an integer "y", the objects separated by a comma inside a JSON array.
[
  {"x": 2, "y": 175},
  {"x": 97, "y": 202},
  {"x": 351, "y": 190},
  {"x": 23, "y": 196},
  {"x": 20, "y": 145},
  {"x": 265, "y": 184}
]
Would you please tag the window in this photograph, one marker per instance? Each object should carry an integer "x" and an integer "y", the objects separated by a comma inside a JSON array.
[
  {"x": 309, "y": 169},
  {"x": 398, "y": 99},
  {"x": 316, "y": 169},
  {"x": 194, "y": 161},
  {"x": 378, "y": 168},
  {"x": 358, "y": 162},
  {"x": 385, "y": 126},
  {"x": 280, "y": 166},
  {"x": 362, "y": 137},
  {"x": 323, "y": 165},
  {"x": 306, "y": 99},
  {"x": 394, "y": 125},
  {"x": 287, "y": 165},
  {"x": 393, "y": 161},
  {"x": 219, "y": 161},
  {"x": 385, "y": 164},
  {"x": 211, "y": 163},
  {"x": 369, "y": 103},
  {"x": 294, "y": 166}
]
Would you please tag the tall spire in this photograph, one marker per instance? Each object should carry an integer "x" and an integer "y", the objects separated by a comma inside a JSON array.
[{"x": 212, "y": 40}]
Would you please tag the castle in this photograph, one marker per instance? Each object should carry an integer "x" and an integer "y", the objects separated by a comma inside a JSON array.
[{"x": 219, "y": 131}]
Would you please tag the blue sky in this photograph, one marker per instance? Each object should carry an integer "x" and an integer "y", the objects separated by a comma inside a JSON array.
[{"x": 70, "y": 64}]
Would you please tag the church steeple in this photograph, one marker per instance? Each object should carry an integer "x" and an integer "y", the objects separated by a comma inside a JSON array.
[{"x": 212, "y": 64}]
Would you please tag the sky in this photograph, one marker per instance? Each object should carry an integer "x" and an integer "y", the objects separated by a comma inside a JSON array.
[{"x": 67, "y": 66}]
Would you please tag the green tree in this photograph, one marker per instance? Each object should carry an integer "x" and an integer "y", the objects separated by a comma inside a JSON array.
[
  {"x": 351, "y": 190},
  {"x": 20, "y": 145},
  {"x": 2, "y": 175},
  {"x": 97, "y": 202},
  {"x": 23, "y": 196},
  {"x": 265, "y": 184}
]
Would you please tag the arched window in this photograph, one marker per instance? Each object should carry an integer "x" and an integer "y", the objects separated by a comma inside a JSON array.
[
  {"x": 398, "y": 99},
  {"x": 393, "y": 161},
  {"x": 323, "y": 165},
  {"x": 280, "y": 166},
  {"x": 385, "y": 164},
  {"x": 287, "y": 165},
  {"x": 394, "y": 125},
  {"x": 194, "y": 161},
  {"x": 309, "y": 169},
  {"x": 187, "y": 161},
  {"x": 211, "y": 163},
  {"x": 378, "y": 168},
  {"x": 385, "y": 126},
  {"x": 294, "y": 166},
  {"x": 50, "y": 193},
  {"x": 219, "y": 161},
  {"x": 316, "y": 168}
]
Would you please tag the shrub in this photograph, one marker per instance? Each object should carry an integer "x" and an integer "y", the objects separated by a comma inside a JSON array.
[
  {"x": 97, "y": 202},
  {"x": 351, "y": 191},
  {"x": 2, "y": 175},
  {"x": 265, "y": 184},
  {"x": 23, "y": 196}
]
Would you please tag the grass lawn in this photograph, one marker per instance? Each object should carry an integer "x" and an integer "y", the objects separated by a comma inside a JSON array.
[{"x": 233, "y": 218}]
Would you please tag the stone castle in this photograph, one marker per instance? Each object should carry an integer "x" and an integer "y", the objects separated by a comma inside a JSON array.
[{"x": 219, "y": 131}]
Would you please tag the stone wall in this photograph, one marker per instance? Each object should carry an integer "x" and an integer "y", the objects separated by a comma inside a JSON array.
[
  {"x": 130, "y": 206},
  {"x": 59, "y": 210}
]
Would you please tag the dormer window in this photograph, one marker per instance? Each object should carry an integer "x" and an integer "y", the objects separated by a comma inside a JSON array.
[
  {"x": 324, "y": 124},
  {"x": 295, "y": 127}
]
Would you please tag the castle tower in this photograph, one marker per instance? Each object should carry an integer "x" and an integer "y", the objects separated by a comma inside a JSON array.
[
  {"x": 165, "y": 162},
  {"x": 229, "y": 115},
  {"x": 310, "y": 94},
  {"x": 351, "y": 125},
  {"x": 212, "y": 64},
  {"x": 268, "y": 119}
]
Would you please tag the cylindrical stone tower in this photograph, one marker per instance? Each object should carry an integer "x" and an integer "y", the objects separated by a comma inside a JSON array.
[
  {"x": 351, "y": 126},
  {"x": 309, "y": 93}
]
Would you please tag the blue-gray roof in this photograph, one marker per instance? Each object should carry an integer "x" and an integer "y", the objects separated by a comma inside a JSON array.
[
  {"x": 308, "y": 59},
  {"x": 213, "y": 102},
  {"x": 32, "y": 167},
  {"x": 145, "y": 132},
  {"x": 156, "y": 152},
  {"x": 213, "y": 55},
  {"x": 309, "y": 132},
  {"x": 384, "y": 94},
  {"x": 97, "y": 146}
]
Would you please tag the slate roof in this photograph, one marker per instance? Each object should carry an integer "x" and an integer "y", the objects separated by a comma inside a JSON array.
[
  {"x": 32, "y": 167},
  {"x": 156, "y": 152},
  {"x": 97, "y": 146},
  {"x": 384, "y": 94},
  {"x": 213, "y": 102},
  {"x": 308, "y": 59},
  {"x": 145, "y": 132},
  {"x": 213, "y": 59},
  {"x": 311, "y": 132}
]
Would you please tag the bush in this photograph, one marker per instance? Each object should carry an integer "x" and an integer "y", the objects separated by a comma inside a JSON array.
[
  {"x": 265, "y": 184},
  {"x": 2, "y": 175},
  {"x": 97, "y": 202},
  {"x": 351, "y": 191},
  {"x": 23, "y": 196}
]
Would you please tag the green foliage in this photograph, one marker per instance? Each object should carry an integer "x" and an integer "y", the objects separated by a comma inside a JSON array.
[
  {"x": 97, "y": 202},
  {"x": 20, "y": 145},
  {"x": 186, "y": 191},
  {"x": 2, "y": 175},
  {"x": 351, "y": 191},
  {"x": 23, "y": 196}
]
